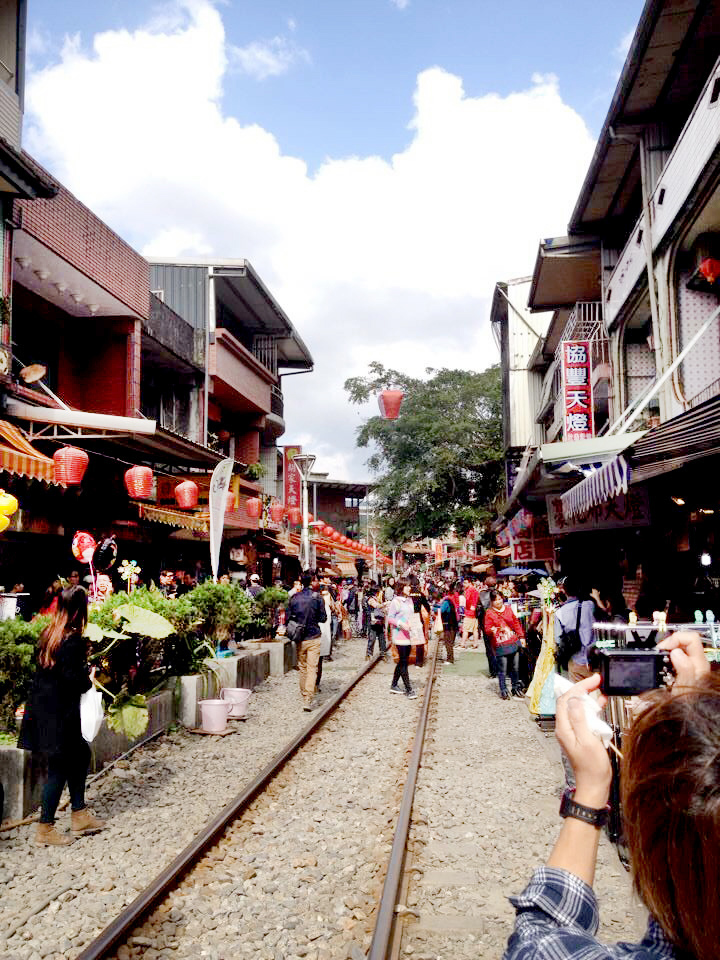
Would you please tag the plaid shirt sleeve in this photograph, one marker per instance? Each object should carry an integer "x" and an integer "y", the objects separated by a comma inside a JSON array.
[{"x": 557, "y": 919}]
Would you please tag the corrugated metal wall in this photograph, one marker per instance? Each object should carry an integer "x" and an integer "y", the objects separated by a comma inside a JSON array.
[
  {"x": 184, "y": 290},
  {"x": 524, "y": 385}
]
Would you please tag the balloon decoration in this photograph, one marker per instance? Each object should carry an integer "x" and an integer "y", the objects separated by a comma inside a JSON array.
[
  {"x": 129, "y": 572},
  {"x": 390, "y": 402},
  {"x": 139, "y": 481},
  {"x": 277, "y": 512},
  {"x": 105, "y": 554},
  {"x": 8, "y": 506},
  {"x": 186, "y": 494},
  {"x": 253, "y": 508},
  {"x": 70, "y": 465},
  {"x": 4, "y": 522},
  {"x": 83, "y": 546},
  {"x": 294, "y": 515}
]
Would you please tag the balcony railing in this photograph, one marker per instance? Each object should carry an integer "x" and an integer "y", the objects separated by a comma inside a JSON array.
[
  {"x": 265, "y": 350},
  {"x": 277, "y": 404}
]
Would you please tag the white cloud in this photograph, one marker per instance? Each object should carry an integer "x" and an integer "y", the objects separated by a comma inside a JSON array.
[
  {"x": 400, "y": 4},
  {"x": 269, "y": 58},
  {"x": 623, "y": 47},
  {"x": 391, "y": 259}
]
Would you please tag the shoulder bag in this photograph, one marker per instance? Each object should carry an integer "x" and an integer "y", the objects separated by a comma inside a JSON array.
[{"x": 569, "y": 642}]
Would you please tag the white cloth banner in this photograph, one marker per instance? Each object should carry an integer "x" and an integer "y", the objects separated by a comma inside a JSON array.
[{"x": 219, "y": 488}]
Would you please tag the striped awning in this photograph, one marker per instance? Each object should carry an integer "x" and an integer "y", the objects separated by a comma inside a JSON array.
[
  {"x": 19, "y": 456},
  {"x": 603, "y": 484},
  {"x": 174, "y": 518}
]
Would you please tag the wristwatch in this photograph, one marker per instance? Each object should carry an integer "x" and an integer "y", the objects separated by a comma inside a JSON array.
[{"x": 569, "y": 808}]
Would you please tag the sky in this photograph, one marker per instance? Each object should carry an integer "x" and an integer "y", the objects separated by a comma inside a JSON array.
[{"x": 381, "y": 163}]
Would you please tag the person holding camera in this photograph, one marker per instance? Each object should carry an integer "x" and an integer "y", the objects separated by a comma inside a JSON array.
[{"x": 670, "y": 796}]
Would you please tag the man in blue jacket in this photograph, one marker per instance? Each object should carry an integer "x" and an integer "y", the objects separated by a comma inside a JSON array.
[{"x": 308, "y": 609}]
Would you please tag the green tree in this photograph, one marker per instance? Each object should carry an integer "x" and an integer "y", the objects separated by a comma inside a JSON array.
[{"x": 439, "y": 465}]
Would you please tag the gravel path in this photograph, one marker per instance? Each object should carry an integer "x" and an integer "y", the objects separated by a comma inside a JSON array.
[
  {"x": 299, "y": 873},
  {"x": 486, "y": 814},
  {"x": 155, "y": 802}
]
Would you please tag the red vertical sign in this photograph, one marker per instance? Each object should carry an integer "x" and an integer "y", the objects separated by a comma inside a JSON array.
[
  {"x": 292, "y": 479},
  {"x": 577, "y": 390}
]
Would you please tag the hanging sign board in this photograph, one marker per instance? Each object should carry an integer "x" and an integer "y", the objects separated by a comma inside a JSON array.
[
  {"x": 631, "y": 509},
  {"x": 219, "y": 487},
  {"x": 292, "y": 478},
  {"x": 577, "y": 390}
]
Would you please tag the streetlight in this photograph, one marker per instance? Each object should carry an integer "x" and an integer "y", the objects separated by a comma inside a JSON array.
[{"x": 304, "y": 463}]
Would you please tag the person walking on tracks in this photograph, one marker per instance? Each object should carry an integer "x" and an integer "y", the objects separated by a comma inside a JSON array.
[
  {"x": 506, "y": 636},
  {"x": 449, "y": 618},
  {"x": 400, "y": 619},
  {"x": 51, "y": 725},
  {"x": 308, "y": 609},
  {"x": 376, "y": 628}
]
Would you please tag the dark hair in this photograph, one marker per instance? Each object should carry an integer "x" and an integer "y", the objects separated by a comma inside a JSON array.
[
  {"x": 494, "y": 594},
  {"x": 671, "y": 808},
  {"x": 306, "y": 578},
  {"x": 70, "y": 617},
  {"x": 573, "y": 587}
]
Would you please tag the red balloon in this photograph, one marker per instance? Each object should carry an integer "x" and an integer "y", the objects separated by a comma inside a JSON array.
[{"x": 83, "y": 546}]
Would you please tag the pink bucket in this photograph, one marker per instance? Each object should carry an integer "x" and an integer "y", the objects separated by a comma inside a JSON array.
[
  {"x": 238, "y": 698},
  {"x": 214, "y": 715}
]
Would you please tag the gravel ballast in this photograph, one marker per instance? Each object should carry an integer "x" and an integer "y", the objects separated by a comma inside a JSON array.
[{"x": 485, "y": 815}]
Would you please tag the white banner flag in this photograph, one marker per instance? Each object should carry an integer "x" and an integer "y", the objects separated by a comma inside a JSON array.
[{"x": 219, "y": 489}]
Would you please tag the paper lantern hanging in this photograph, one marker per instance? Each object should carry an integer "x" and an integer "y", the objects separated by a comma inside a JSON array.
[
  {"x": 253, "y": 508},
  {"x": 8, "y": 504},
  {"x": 186, "y": 494},
  {"x": 229, "y": 503},
  {"x": 70, "y": 465},
  {"x": 139, "y": 482},
  {"x": 105, "y": 554},
  {"x": 277, "y": 512},
  {"x": 390, "y": 402},
  {"x": 83, "y": 546},
  {"x": 294, "y": 516}
]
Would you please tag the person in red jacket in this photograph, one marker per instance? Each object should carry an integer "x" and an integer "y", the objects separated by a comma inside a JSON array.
[{"x": 506, "y": 637}]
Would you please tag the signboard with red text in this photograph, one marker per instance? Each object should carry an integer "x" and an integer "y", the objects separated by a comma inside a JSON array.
[
  {"x": 577, "y": 390},
  {"x": 292, "y": 479}
]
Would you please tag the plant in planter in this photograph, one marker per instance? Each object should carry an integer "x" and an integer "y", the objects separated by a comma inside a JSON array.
[
  {"x": 265, "y": 607},
  {"x": 254, "y": 471},
  {"x": 18, "y": 641},
  {"x": 221, "y": 609}
]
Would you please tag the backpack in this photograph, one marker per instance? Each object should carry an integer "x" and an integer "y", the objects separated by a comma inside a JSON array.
[{"x": 569, "y": 642}]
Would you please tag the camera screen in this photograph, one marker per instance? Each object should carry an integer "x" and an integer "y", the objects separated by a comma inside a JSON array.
[{"x": 637, "y": 674}]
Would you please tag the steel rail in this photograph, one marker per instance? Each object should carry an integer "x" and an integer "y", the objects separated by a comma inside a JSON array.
[
  {"x": 129, "y": 917},
  {"x": 385, "y": 923}
]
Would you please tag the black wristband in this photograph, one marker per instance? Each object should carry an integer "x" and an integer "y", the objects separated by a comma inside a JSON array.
[{"x": 590, "y": 815}]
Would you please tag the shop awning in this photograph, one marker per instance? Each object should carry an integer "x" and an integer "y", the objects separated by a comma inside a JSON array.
[
  {"x": 689, "y": 436},
  {"x": 174, "y": 518},
  {"x": 347, "y": 569},
  {"x": 603, "y": 484},
  {"x": 21, "y": 458}
]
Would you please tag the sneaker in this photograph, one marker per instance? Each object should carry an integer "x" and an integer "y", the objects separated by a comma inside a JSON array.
[
  {"x": 411, "y": 695},
  {"x": 394, "y": 689},
  {"x": 504, "y": 695},
  {"x": 307, "y": 708}
]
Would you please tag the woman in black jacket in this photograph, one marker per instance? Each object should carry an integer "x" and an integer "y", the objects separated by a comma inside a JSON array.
[{"x": 51, "y": 726}]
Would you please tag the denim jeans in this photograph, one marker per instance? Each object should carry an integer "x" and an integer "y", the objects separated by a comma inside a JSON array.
[
  {"x": 376, "y": 631},
  {"x": 71, "y": 767},
  {"x": 401, "y": 667},
  {"x": 491, "y": 658},
  {"x": 508, "y": 664}
]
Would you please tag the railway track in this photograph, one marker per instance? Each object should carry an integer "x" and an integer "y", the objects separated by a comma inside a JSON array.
[{"x": 307, "y": 861}]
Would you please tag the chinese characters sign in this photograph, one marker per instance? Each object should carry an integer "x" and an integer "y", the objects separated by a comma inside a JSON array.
[
  {"x": 293, "y": 482},
  {"x": 577, "y": 390},
  {"x": 629, "y": 509}
]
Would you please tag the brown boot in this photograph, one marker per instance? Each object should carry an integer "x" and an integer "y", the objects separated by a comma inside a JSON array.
[
  {"x": 47, "y": 836},
  {"x": 83, "y": 821}
]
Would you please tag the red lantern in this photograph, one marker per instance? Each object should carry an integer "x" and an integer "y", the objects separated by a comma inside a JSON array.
[
  {"x": 277, "y": 512},
  {"x": 335, "y": 536},
  {"x": 294, "y": 516},
  {"x": 139, "y": 481},
  {"x": 327, "y": 530},
  {"x": 70, "y": 465},
  {"x": 710, "y": 269},
  {"x": 344, "y": 541},
  {"x": 310, "y": 517},
  {"x": 390, "y": 402},
  {"x": 223, "y": 436},
  {"x": 186, "y": 494},
  {"x": 253, "y": 508},
  {"x": 229, "y": 502}
]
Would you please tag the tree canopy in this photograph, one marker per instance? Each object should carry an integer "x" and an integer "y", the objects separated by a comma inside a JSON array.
[{"x": 439, "y": 465}]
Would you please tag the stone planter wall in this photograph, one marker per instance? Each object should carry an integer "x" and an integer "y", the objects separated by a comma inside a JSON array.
[{"x": 282, "y": 653}]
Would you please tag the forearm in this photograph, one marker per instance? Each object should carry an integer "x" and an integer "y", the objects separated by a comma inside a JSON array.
[{"x": 576, "y": 847}]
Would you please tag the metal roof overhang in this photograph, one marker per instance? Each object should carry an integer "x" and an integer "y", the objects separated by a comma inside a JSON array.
[
  {"x": 674, "y": 47},
  {"x": 690, "y": 436},
  {"x": 20, "y": 175},
  {"x": 567, "y": 270}
]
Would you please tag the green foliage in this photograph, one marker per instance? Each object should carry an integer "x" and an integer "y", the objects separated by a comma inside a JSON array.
[
  {"x": 254, "y": 471},
  {"x": 265, "y": 605},
  {"x": 145, "y": 622},
  {"x": 18, "y": 641},
  {"x": 221, "y": 609},
  {"x": 439, "y": 465},
  {"x": 128, "y": 714}
]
